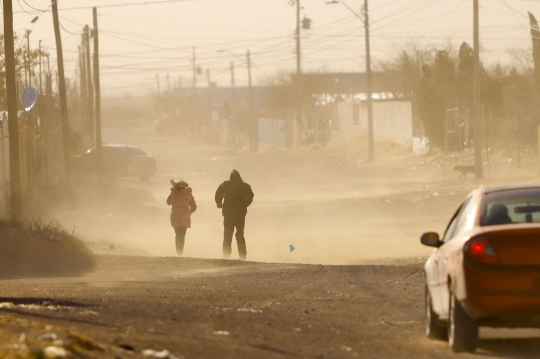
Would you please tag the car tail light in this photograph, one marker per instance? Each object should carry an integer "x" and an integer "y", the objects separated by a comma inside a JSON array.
[{"x": 480, "y": 250}]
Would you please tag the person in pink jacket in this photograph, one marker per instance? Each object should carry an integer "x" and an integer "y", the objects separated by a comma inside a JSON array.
[{"x": 183, "y": 205}]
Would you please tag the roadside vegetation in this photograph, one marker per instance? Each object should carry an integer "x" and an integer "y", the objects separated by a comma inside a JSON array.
[{"x": 53, "y": 230}]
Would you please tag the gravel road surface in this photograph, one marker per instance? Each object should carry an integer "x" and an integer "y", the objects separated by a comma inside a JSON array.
[{"x": 232, "y": 309}]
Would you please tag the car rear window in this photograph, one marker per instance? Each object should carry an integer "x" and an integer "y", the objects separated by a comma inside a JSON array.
[{"x": 511, "y": 206}]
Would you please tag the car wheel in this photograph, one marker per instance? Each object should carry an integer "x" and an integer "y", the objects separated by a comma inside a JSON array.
[
  {"x": 462, "y": 329},
  {"x": 434, "y": 328}
]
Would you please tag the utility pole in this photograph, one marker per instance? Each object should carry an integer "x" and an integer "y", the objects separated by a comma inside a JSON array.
[
  {"x": 13, "y": 121},
  {"x": 194, "y": 69},
  {"x": 28, "y": 32},
  {"x": 82, "y": 73},
  {"x": 89, "y": 84},
  {"x": 299, "y": 84},
  {"x": 248, "y": 57},
  {"x": 252, "y": 120},
  {"x": 209, "y": 124},
  {"x": 40, "y": 87},
  {"x": 369, "y": 88},
  {"x": 158, "y": 86},
  {"x": 97, "y": 89},
  {"x": 233, "y": 94},
  {"x": 371, "y": 140},
  {"x": 209, "y": 90},
  {"x": 298, "y": 50},
  {"x": 63, "y": 102},
  {"x": 478, "y": 172}
]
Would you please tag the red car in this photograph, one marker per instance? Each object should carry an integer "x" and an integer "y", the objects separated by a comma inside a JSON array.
[{"x": 485, "y": 270}]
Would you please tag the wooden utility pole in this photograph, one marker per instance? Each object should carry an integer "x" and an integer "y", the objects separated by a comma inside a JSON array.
[
  {"x": 97, "y": 89},
  {"x": 298, "y": 45},
  {"x": 63, "y": 102},
  {"x": 478, "y": 171},
  {"x": 371, "y": 139},
  {"x": 209, "y": 90},
  {"x": 13, "y": 121},
  {"x": 299, "y": 83},
  {"x": 233, "y": 92},
  {"x": 82, "y": 72},
  {"x": 209, "y": 123},
  {"x": 89, "y": 84},
  {"x": 248, "y": 58},
  {"x": 254, "y": 141},
  {"x": 369, "y": 87},
  {"x": 194, "y": 69},
  {"x": 40, "y": 76},
  {"x": 29, "y": 84}
]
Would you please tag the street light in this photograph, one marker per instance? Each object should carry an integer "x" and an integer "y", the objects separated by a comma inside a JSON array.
[{"x": 365, "y": 20}]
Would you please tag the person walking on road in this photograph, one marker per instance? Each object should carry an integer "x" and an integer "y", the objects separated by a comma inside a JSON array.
[
  {"x": 234, "y": 197},
  {"x": 183, "y": 205}
]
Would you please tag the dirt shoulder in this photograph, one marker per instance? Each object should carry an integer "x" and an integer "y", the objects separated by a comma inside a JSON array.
[{"x": 230, "y": 309}]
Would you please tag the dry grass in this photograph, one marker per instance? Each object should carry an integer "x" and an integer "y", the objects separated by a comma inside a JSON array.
[{"x": 50, "y": 228}]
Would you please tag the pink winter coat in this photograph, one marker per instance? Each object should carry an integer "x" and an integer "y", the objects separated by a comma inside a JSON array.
[{"x": 183, "y": 205}]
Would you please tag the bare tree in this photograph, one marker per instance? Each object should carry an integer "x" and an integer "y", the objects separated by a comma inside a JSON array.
[
  {"x": 521, "y": 60},
  {"x": 21, "y": 63}
]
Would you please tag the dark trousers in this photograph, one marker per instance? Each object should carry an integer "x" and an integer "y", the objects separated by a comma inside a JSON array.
[
  {"x": 229, "y": 224},
  {"x": 180, "y": 237}
]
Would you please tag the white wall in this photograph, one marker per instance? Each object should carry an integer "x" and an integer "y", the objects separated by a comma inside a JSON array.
[
  {"x": 346, "y": 129},
  {"x": 392, "y": 122},
  {"x": 272, "y": 132}
]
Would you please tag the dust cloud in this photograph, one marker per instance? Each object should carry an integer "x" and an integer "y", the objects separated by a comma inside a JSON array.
[{"x": 328, "y": 203}]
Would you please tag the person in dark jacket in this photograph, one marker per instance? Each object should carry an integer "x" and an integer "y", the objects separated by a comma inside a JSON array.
[{"x": 234, "y": 197}]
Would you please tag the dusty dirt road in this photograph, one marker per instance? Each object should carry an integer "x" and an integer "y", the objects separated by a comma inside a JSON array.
[
  {"x": 231, "y": 309},
  {"x": 360, "y": 220}
]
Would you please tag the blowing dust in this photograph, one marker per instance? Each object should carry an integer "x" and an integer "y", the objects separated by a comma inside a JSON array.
[{"x": 325, "y": 201}]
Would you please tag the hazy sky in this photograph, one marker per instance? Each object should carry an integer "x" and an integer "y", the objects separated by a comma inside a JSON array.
[{"x": 139, "y": 41}]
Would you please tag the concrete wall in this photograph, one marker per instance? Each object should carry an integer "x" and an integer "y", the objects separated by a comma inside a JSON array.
[
  {"x": 345, "y": 128},
  {"x": 272, "y": 132},
  {"x": 392, "y": 122}
]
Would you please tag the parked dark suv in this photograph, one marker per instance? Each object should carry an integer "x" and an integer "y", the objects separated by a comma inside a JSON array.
[{"x": 117, "y": 161}]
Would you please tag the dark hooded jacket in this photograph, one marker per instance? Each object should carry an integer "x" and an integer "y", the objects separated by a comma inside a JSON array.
[{"x": 234, "y": 195}]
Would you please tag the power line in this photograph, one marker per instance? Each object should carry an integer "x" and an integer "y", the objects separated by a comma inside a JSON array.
[{"x": 106, "y": 6}]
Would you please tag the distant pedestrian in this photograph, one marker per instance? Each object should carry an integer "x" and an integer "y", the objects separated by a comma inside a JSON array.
[
  {"x": 183, "y": 205},
  {"x": 234, "y": 196}
]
